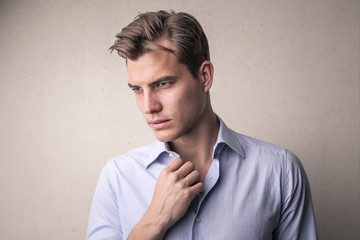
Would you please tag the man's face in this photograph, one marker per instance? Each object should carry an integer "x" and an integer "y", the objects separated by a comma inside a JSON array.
[{"x": 169, "y": 97}]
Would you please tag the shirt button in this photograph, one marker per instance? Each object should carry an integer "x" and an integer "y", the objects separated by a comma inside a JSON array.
[
  {"x": 198, "y": 220},
  {"x": 171, "y": 155}
]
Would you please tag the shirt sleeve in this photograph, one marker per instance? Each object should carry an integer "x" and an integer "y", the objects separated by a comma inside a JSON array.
[
  {"x": 104, "y": 220},
  {"x": 297, "y": 219}
]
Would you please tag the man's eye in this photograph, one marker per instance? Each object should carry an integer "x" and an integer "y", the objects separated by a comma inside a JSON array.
[
  {"x": 163, "y": 84},
  {"x": 136, "y": 89}
]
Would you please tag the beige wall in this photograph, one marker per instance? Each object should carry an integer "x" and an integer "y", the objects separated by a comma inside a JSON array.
[{"x": 286, "y": 72}]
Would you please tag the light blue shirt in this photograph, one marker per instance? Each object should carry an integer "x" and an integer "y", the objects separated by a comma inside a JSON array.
[{"x": 253, "y": 190}]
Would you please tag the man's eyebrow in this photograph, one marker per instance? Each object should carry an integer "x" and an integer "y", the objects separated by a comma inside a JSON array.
[
  {"x": 131, "y": 86},
  {"x": 161, "y": 79}
]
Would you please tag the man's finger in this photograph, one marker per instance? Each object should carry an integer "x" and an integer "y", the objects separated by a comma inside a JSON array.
[
  {"x": 175, "y": 165},
  {"x": 192, "y": 178},
  {"x": 197, "y": 188},
  {"x": 185, "y": 169}
]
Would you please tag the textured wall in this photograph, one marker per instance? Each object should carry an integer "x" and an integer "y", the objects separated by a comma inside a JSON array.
[{"x": 285, "y": 72}]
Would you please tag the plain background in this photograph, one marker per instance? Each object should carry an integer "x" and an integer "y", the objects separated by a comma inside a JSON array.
[{"x": 286, "y": 72}]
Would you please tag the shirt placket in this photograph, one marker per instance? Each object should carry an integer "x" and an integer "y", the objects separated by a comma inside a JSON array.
[{"x": 211, "y": 178}]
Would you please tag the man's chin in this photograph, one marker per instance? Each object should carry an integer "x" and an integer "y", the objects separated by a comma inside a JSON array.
[{"x": 164, "y": 137}]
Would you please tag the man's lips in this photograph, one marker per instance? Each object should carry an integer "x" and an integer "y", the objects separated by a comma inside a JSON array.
[{"x": 158, "y": 124}]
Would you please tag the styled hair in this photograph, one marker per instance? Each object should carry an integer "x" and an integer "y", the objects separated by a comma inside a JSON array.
[{"x": 181, "y": 29}]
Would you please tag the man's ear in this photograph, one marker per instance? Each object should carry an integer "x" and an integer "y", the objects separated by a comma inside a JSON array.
[{"x": 206, "y": 74}]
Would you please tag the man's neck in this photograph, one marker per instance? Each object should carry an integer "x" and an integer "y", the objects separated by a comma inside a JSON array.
[{"x": 197, "y": 146}]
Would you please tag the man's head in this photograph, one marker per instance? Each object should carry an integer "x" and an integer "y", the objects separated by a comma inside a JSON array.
[
  {"x": 181, "y": 29},
  {"x": 169, "y": 71}
]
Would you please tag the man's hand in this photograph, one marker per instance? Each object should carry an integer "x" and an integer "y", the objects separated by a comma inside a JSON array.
[{"x": 177, "y": 185}]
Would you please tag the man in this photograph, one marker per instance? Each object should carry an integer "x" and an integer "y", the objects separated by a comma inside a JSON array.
[{"x": 200, "y": 180}]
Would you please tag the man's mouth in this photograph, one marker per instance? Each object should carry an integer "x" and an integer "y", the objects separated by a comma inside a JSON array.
[{"x": 159, "y": 124}]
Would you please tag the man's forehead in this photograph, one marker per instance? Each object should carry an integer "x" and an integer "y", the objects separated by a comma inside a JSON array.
[{"x": 152, "y": 66}]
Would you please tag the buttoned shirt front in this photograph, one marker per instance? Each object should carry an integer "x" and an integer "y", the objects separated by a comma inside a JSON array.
[{"x": 252, "y": 190}]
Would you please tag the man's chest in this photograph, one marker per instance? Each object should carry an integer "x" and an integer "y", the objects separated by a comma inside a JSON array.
[{"x": 235, "y": 204}]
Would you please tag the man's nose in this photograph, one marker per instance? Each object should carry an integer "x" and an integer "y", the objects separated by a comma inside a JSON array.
[{"x": 151, "y": 103}]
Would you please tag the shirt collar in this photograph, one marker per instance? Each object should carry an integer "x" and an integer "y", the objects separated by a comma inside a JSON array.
[
  {"x": 156, "y": 149},
  {"x": 226, "y": 136}
]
